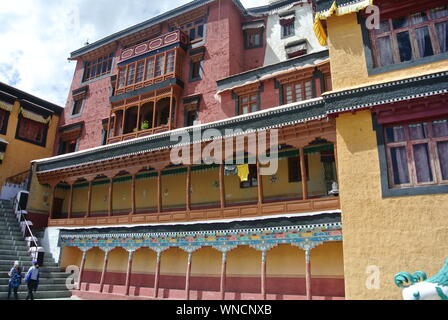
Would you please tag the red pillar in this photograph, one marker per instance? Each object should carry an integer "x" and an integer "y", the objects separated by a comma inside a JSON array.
[
  {"x": 70, "y": 201},
  {"x": 81, "y": 269},
  {"x": 263, "y": 274},
  {"x": 223, "y": 275},
  {"x": 103, "y": 273},
  {"x": 308, "y": 274},
  {"x": 187, "y": 278},
  {"x": 157, "y": 275},
  {"x": 129, "y": 271}
]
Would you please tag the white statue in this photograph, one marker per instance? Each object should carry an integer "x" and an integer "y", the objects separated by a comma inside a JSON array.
[{"x": 418, "y": 287}]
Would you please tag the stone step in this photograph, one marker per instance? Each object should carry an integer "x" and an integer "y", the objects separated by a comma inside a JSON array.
[
  {"x": 40, "y": 295},
  {"x": 14, "y": 236},
  {"x": 44, "y": 274},
  {"x": 5, "y": 281},
  {"x": 19, "y": 246},
  {"x": 42, "y": 287},
  {"x": 11, "y": 252}
]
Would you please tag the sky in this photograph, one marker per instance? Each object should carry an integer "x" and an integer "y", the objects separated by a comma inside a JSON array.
[{"x": 37, "y": 37}]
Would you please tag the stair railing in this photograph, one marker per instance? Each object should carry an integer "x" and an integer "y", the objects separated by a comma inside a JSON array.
[{"x": 33, "y": 238}]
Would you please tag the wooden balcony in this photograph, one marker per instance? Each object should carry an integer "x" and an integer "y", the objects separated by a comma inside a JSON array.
[
  {"x": 244, "y": 211},
  {"x": 153, "y": 69},
  {"x": 138, "y": 134}
]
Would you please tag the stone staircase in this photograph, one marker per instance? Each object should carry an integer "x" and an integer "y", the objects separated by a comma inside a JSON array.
[{"x": 13, "y": 247}]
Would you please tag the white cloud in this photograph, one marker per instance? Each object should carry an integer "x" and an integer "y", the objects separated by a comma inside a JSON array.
[{"x": 37, "y": 37}]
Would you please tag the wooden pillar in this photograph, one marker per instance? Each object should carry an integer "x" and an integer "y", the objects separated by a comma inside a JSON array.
[
  {"x": 70, "y": 201},
  {"x": 133, "y": 206},
  {"x": 159, "y": 191},
  {"x": 154, "y": 108},
  {"x": 52, "y": 194},
  {"x": 260, "y": 185},
  {"x": 223, "y": 275},
  {"x": 157, "y": 275},
  {"x": 108, "y": 127},
  {"x": 81, "y": 269},
  {"x": 222, "y": 189},
  {"x": 89, "y": 199},
  {"x": 170, "y": 117},
  {"x": 123, "y": 121},
  {"x": 138, "y": 111},
  {"x": 303, "y": 174},
  {"x": 336, "y": 160},
  {"x": 263, "y": 274},
  {"x": 308, "y": 274},
  {"x": 129, "y": 271},
  {"x": 187, "y": 278},
  {"x": 188, "y": 187},
  {"x": 103, "y": 273},
  {"x": 111, "y": 197}
]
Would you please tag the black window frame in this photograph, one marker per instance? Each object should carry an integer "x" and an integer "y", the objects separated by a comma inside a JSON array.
[
  {"x": 386, "y": 189},
  {"x": 44, "y": 134},
  {"x": 4, "y": 124}
]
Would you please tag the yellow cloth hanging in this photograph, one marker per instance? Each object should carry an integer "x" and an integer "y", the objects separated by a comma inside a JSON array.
[
  {"x": 340, "y": 11},
  {"x": 243, "y": 172},
  {"x": 35, "y": 117}
]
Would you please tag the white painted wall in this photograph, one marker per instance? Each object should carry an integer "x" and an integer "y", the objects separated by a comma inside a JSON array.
[
  {"x": 50, "y": 243},
  {"x": 275, "y": 50}
]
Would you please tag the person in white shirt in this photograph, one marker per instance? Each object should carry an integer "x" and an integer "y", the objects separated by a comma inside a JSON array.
[{"x": 32, "y": 279}]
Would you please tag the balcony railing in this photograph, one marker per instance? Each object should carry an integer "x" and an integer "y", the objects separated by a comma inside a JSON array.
[{"x": 252, "y": 210}]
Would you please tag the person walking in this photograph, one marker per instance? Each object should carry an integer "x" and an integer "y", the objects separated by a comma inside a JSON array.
[
  {"x": 15, "y": 279},
  {"x": 32, "y": 280}
]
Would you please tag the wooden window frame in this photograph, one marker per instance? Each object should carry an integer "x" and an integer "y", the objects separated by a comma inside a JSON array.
[
  {"x": 410, "y": 28},
  {"x": 248, "y": 104},
  {"x": 81, "y": 101},
  {"x": 124, "y": 81},
  {"x": 253, "y": 32},
  {"x": 408, "y": 144},
  {"x": 288, "y": 26},
  {"x": 195, "y": 25},
  {"x": 44, "y": 133},
  {"x": 4, "y": 121},
  {"x": 294, "y": 91},
  {"x": 104, "y": 64}
]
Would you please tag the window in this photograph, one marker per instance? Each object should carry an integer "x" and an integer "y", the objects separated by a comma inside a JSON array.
[
  {"x": 195, "y": 70},
  {"x": 4, "y": 116},
  {"x": 31, "y": 131},
  {"x": 288, "y": 29},
  {"x": 191, "y": 117},
  {"x": 248, "y": 103},
  {"x": 254, "y": 38},
  {"x": 298, "y": 91},
  {"x": 147, "y": 69},
  {"x": 98, "y": 68},
  {"x": 252, "y": 179},
  {"x": 417, "y": 153},
  {"x": 68, "y": 146},
  {"x": 294, "y": 171},
  {"x": 77, "y": 107},
  {"x": 411, "y": 37},
  {"x": 195, "y": 30}
]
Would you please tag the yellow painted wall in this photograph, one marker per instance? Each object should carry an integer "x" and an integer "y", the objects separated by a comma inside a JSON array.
[
  {"x": 205, "y": 186},
  {"x": 122, "y": 196},
  {"x": 19, "y": 154},
  {"x": 94, "y": 260},
  {"x": 173, "y": 190},
  {"x": 173, "y": 262},
  {"x": 144, "y": 261},
  {"x": 146, "y": 193},
  {"x": 39, "y": 198},
  {"x": 206, "y": 262},
  {"x": 348, "y": 63},
  {"x": 70, "y": 256},
  {"x": 100, "y": 198},
  {"x": 80, "y": 200},
  {"x": 244, "y": 261},
  {"x": 394, "y": 234},
  {"x": 118, "y": 260}
]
